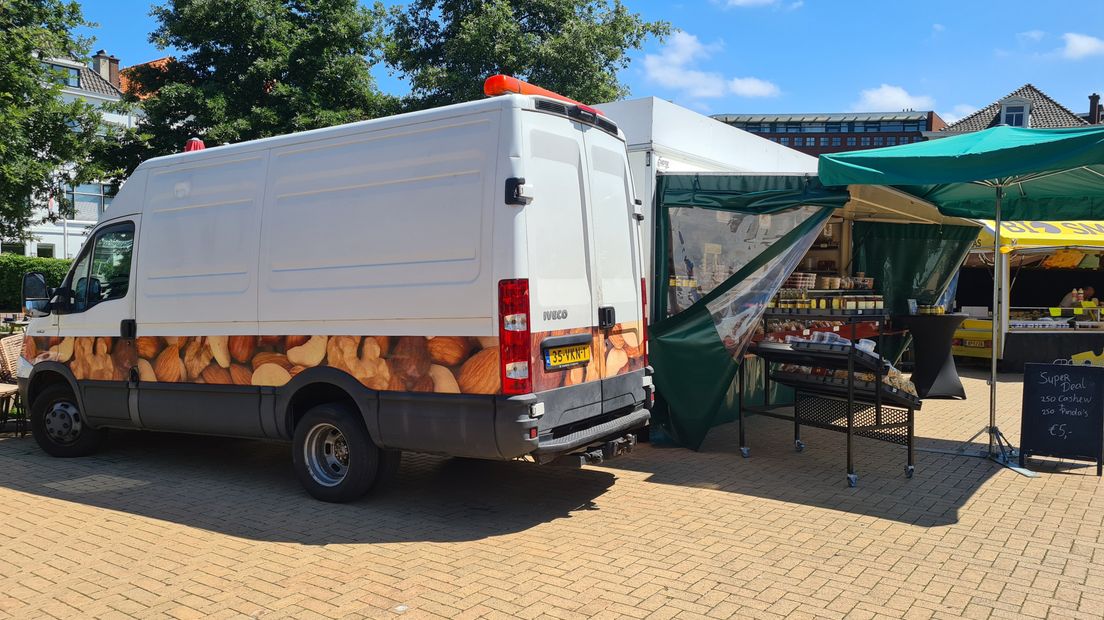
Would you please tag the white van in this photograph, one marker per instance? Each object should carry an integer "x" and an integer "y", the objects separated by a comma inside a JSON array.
[{"x": 462, "y": 281}]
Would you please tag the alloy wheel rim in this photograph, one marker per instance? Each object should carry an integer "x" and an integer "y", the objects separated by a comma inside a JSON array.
[{"x": 326, "y": 453}]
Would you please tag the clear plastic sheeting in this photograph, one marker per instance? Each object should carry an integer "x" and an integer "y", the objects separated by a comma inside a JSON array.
[
  {"x": 737, "y": 311},
  {"x": 707, "y": 246}
]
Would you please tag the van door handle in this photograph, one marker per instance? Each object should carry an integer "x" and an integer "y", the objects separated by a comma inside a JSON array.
[
  {"x": 128, "y": 328},
  {"x": 607, "y": 317}
]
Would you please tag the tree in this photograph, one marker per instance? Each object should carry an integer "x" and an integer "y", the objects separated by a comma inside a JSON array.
[
  {"x": 255, "y": 68},
  {"x": 45, "y": 141},
  {"x": 446, "y": 48}
]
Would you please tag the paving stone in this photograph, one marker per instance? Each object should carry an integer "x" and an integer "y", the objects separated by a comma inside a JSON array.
[{"x": 167, "y": 526}]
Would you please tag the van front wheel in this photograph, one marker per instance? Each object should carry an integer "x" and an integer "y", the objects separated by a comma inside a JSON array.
[
  {"x": 335, "y": 459},
  {"x": 58, "y": 425}
]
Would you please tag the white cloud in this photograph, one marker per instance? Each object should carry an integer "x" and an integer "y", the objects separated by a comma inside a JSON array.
[
  {"x": 937, "y": 28},
  {"x": 888, "y": 98},
  {"x": 674, "y": 67},
  {"x": 1081, "y": 46},
  {"x": 752, "y": 87},
  {"x": 958, "y": 113},
  {"x": 749, "y": 2},
  {"x": 1030, "y": 36}
]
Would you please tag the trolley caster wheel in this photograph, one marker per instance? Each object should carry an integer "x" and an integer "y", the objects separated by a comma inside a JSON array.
[
  {"x": 799, "y": 445},
  {"x": 852, "y": 480},
  {"x": 909, "y": 471},
  {"x": 745, "y": 452}
]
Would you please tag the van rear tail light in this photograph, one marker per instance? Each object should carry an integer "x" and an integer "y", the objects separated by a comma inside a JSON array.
[
  {"x": 644, "y": 317},
  {"x": 515, "y": 346}
]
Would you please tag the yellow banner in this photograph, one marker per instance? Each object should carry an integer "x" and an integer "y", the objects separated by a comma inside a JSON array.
[{"x": 1044, "y": 234}]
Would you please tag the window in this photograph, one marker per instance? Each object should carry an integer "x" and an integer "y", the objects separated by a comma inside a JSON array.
[
  {"x": 66, "y": 76},
  {"x": 913, "y": 127},
  {"x": 850, "y": 142},
  {"x": 877, "y": 141},
  {"x": 824, "y": 141},
  {"x": 832, "y": 127},
  {"x": 13, "y": 248},
  {"x": 836, "y": 141},
  {"x": 785, "y": 141},
  {"x": 1014, "y": 115},
  {"x": 810, "y": 141},
  {"x": 891, "y": 141},
  {"x": 90, "y": 200},
  {"x": 892, "y": 126},
  {"x": 814, "y": 128},
  {"x": 865, "y": 141},
  {"x": 793, "y": 127},
  {"x": 45, "y": 250},
  {"x": 102, "y": 273}
]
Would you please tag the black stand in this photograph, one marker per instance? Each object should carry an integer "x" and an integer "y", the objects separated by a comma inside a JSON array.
[
  {"x": 935, "y": 374},
  {"x": 867, "y": 409}
]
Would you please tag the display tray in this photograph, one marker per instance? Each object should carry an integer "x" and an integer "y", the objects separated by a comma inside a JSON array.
[
  {"x": 808, "y": 312},
  {"x": 864, "y": 390},
  {"x": 816, "y": 354}
]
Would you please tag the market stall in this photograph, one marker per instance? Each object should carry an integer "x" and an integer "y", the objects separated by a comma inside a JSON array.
[
  {"x": 1001, "y": 172},
  {"x": 1042, "y": 265},
  {"x": 729, "y": 252}
]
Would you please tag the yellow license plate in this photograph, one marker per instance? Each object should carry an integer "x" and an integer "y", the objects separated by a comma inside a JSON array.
[{"x": 558, "y": 357}]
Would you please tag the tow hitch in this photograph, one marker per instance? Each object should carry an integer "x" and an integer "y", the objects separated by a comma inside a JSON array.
[{"x": 596, "y": 454}]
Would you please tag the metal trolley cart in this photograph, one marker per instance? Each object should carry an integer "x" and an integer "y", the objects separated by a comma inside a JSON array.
[{"x": 851, "y": 406}]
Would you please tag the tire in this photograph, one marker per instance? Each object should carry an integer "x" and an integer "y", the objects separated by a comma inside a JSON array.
[
  {"x": 334, "y": 457},
  {"x": 58, "y": 425}
]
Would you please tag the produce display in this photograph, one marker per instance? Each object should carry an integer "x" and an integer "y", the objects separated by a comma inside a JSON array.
[{"x": 893, "y": 377}]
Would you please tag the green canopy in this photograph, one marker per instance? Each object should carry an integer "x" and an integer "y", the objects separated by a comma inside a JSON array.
[{"x": 1049, "y": 174}]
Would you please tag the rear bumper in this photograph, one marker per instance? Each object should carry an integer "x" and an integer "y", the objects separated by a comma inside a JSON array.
[{"x": 545, "y": 424}]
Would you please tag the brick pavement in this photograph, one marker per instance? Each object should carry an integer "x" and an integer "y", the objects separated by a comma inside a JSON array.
[{"x": 182, "y": 527}]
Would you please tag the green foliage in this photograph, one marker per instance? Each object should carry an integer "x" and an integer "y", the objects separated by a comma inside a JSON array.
[
  {"x": 44, "y": 142},
  {"x": 12, "y": 268},
  {"x": 254, "y": 68},
  {"x": 446, "y": 48}
]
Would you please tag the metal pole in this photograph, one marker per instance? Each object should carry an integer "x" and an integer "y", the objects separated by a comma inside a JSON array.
[{"x": 996, "y": 323}]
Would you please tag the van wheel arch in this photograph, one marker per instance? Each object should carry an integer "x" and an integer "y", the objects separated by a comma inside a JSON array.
[
  {"x": 316, "y": 386},
  {"x": 46, "y": 374}
]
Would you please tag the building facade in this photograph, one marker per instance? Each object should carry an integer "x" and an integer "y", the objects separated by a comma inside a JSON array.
[
  {"x": 97, "y": 84},
  {"x": 816, "y": 134}
]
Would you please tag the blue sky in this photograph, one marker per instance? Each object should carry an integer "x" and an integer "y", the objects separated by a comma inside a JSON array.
[{"x": 815, "y": 55}]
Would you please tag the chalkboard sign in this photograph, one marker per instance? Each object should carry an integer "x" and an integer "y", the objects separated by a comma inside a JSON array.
[{"x": 1063, "y": 412}]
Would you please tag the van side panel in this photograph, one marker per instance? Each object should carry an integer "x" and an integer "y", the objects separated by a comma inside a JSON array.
[
  {"x": 387, "y": 224},
  {"x": 197, "y": 257}
]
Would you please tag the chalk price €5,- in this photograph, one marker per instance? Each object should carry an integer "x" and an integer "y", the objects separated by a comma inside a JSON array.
[{"x": 1059, "y": 431}]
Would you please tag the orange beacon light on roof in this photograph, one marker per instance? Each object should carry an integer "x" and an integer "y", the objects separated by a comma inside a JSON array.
[{"x": 504, "y": 84}]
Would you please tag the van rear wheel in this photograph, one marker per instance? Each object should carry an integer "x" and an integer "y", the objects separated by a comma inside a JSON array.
[
  {"x": 58, "y": 425},
  {"x": 335, "y": 458}
]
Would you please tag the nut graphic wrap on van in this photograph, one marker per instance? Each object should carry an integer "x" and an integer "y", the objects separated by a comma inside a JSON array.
[{"x": 440, "y": 364}]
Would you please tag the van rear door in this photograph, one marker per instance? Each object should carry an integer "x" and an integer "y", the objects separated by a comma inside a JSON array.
[
  {"x": 616, "y": 269},
  {"x": 563, "y": 312}
]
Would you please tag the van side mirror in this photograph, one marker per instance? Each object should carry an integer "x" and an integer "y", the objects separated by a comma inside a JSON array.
[{"x": 36, "y": 296}]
